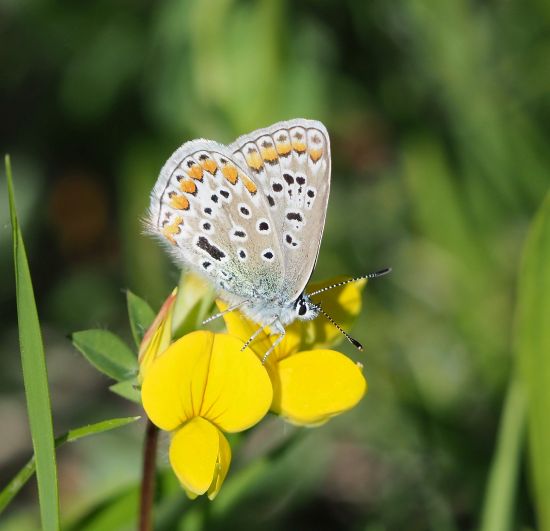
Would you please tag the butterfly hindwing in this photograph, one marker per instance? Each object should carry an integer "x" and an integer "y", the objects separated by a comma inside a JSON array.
[
  {"x": 208, "y": 209},
  {"x": 290, "y": 162}
]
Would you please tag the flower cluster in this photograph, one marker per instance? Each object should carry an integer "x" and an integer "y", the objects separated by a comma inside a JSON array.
[{"x": 203, "y": 384}]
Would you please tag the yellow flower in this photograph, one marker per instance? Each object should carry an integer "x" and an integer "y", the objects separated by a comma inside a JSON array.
[
  {"x": 311, "y": 383},
  {"x": 183, "y": 311},
  {"x": 201, "y": 386},
  {"x": 158, "y": 336}
]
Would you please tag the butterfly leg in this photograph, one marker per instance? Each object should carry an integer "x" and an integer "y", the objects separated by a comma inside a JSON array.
[
  {"x": 278, "y": 329},
  {"x": 253, "y": 337},
  {"x": 221, "y": 314}
]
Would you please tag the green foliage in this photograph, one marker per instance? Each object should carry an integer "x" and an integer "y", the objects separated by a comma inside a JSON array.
[
  {"x": 21, "y": 478},
  {"x": 438, "y": 115},
  {"x": 140, "y": 314},
  {"x": 127, "y": 389},
  {"x": 117, "y": 512},
  {"x": 193, "y": 304},
  {"x": 35, "y": 375},
  {"x": 533, "y": 349},
  {"x": 107, "y": 353},
  {"x": 500, "y": 500}
]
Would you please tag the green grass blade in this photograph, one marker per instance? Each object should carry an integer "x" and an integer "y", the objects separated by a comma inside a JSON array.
[
  {"x": 35, "y": 375},
  {"x": 498, "y": 508},
  {"x": 533, "y": 350},
  {"x": 21, "y": 478}
]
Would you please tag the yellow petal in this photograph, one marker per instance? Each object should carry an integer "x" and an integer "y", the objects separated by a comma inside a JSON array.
[
  {"x": 157, "y": 338},
  {"x": 190, "y": 495},
  {"x": 200, "y": 457},
  {"x": 314, "y": 385},
  {"x": 240, "y": 326},
  {"x": 174, "y": 384},
  {"x": 239, "y": 392},
  {"x": 222, "y": 466},
  {"x": 343, "y": 304},
  {"x": 206, "y": 374}
]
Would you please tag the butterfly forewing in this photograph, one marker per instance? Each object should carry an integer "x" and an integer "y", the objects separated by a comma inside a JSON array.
[
  {"x": 290, "y": 162},
  {"x": 210, "y": 211}
]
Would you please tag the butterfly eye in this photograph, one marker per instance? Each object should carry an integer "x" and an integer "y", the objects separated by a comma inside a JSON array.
[{"x": 302, "y": 310}]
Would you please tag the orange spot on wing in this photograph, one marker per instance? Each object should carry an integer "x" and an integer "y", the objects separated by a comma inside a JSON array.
[
  {"x": 315, "y": 154},
  {"x": 230, "y": 173},
  {"x": 249, "y": 184},
  {"x": 269, "y": 155},
  {"x": 171, "y": 230},
  {"x": 284, "y": 149},
  {"x": 179, "y": 202},
  {"x": 195, "y": 172},
  {"x": 210, "y": 166},
  {"x": 188, "y": 187},
  {"x": 299, "y": 147},
  {"x": 254, "y": 161}
]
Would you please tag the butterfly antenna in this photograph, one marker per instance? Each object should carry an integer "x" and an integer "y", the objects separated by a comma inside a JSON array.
[
  {"x": 221, "y": 314},
  {"x": 353, "y": 341},
  {"x": 376, "y": 274}
]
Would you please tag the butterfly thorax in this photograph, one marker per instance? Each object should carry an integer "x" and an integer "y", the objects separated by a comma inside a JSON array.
[{"x": 267, "y": 311}]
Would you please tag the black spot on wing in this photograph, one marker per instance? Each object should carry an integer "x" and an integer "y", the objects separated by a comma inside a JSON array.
[
  {"x": 212, "y": 250},
  {"x": 294, "y": 216}
]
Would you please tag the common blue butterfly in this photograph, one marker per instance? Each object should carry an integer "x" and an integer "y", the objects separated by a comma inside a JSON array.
[{"x": 250, "y": 217}]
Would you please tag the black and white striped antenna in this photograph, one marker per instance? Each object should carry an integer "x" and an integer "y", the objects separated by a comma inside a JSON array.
[{"x": 376, "y": 274}]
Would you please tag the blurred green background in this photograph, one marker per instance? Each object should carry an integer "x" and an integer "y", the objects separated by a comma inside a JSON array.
[{"x": 439, "y": 118}]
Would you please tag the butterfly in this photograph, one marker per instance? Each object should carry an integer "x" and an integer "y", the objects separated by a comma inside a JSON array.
[{"x": 250, "y": 217}]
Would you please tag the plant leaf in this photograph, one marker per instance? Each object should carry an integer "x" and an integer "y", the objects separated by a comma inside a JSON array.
[
  {"x": 127, "y": 389},
  {"x": 21, "y": 478},
  {"x": 140, "y": 314},
  {"x": 35, "y": 375},
  {"x": 107, "y": 353},
  {"x": 533, "y": 349},
  {"x": 500, "y": 496}
]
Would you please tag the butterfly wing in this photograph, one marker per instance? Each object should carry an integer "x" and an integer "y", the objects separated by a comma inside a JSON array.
[
  {"x": 290, "y": 162},
  {"x": 209, "y": 211}
]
